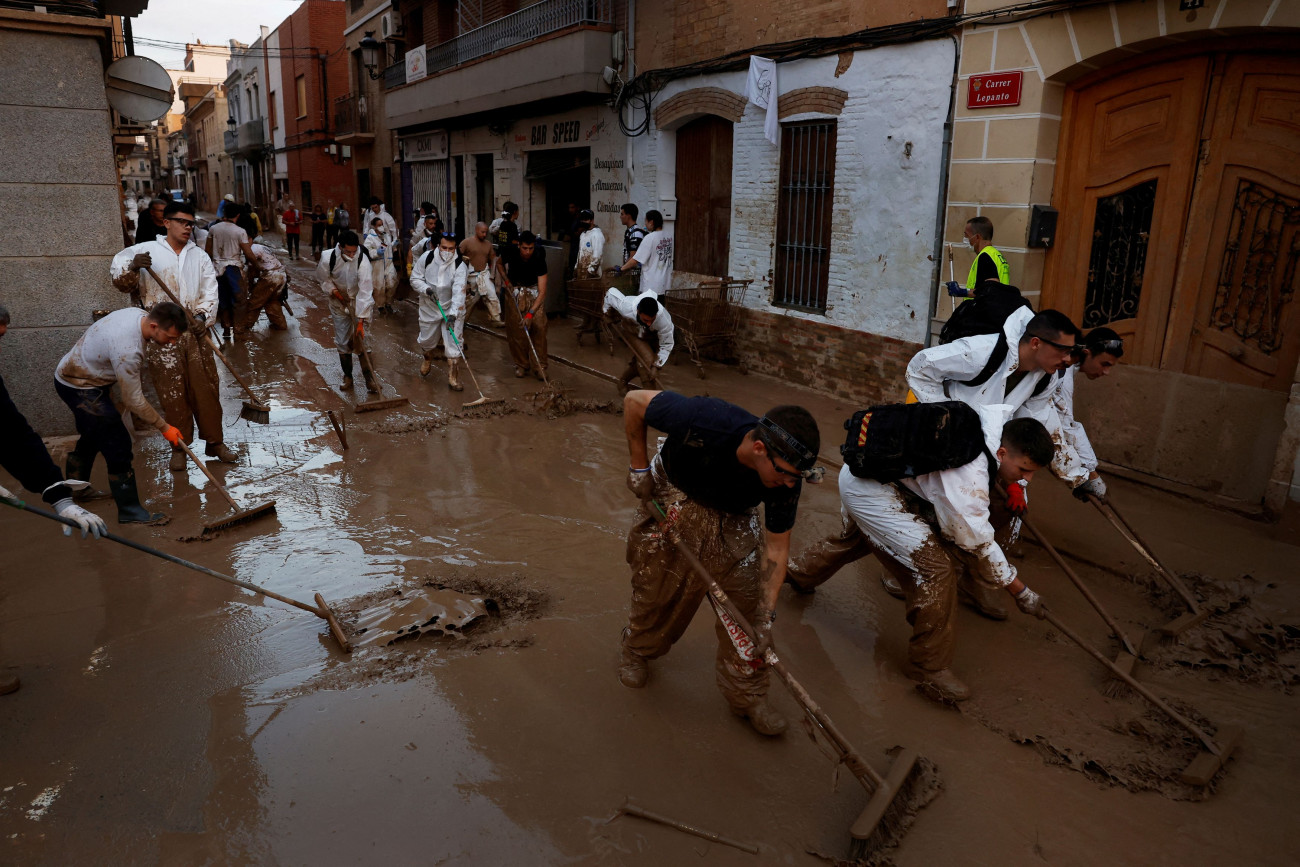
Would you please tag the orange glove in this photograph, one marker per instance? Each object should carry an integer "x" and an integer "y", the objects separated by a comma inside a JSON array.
[
  {"x": 528, "y": 315},
  {"x": 361, "y": 328},
  {"x": 172, "y": 435},
  {"x": 1016, "y": 502}
]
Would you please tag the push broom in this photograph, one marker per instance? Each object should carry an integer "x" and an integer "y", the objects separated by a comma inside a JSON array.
[
  {"x": 253, "y": 409},
  {"x": 887, "y": 814},
  {"x": 239, "y": 516},
  {"x": 321, "y": 609},
  {"x": 380, "y": 402},
  {"x": 451, "y": 330}
]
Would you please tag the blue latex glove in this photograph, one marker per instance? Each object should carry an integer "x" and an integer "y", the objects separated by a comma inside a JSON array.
[{"x": 954, "y": 290}]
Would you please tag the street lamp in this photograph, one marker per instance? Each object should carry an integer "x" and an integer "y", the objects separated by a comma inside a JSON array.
[
  {"x": 232, "y": 124},
  {"x": 370, "y": 48}
]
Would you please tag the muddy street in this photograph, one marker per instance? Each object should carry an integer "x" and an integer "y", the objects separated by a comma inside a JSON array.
[{"x": 168, "y": 718}]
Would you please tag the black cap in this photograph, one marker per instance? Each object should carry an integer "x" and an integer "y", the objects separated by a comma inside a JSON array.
[{"x": 586, "y": 214}]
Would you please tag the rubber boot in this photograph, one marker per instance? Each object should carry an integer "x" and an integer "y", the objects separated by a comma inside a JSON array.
[
  {"x": 765, "y": 719},
  {"x": 371, "y": 386},
  {"x": 427, "y": 364},
  {"x": 179, "y": 462},
  {"x": 345, "y": 361},
  {"x": 221, "y": 453},
  {"x": 633, "y": 669},
  {"x": 453, "y": 375},
  {"x": 940, "y": 685},
  {"x": 79, "y": 469},
  {"x": 129, "y": 510},
  {"x": 892, "y": 587}
]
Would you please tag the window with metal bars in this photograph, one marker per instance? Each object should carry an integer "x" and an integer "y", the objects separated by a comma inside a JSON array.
[{"x": 803, "y": 214}]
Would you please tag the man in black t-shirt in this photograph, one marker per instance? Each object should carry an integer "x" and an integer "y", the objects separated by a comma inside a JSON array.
[
  {"x": 716, "y": 466},
  {"x": 524, "y": 271}
]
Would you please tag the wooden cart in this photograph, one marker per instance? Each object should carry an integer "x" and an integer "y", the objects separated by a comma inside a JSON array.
[{"x": 707, "y": 317}]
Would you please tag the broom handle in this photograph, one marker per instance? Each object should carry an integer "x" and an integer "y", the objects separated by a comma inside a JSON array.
[
  {"x": 1126, "y": 530},
  {"x": 637, "y": 353},
  {"x": 207, "y": 472},
  {"x": 1128, "y": 679},
  {"x": 253, "y": 588},
  {"x": 848, "y": 754},
  {"x": 211, "y": 343},
  {"x": 451, "y": 331},
  {"x": 523, "y": 326},
  {"x": 1082, "y": 588}
]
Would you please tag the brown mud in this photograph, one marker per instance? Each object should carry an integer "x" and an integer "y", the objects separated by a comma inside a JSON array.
[{"x": 231, "y": 729}]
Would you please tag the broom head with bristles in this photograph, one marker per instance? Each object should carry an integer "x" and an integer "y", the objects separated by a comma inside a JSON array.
[
  {"x": 243, "y": 516},
  {"x": 257, "y": 413},
  {"x": 384, "y": 403},
  {"x": 912, "y": 783}
]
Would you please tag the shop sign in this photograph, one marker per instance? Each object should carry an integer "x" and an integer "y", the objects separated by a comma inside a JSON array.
[
  {"x": 416, "y": 67},
  {"x": 425, "y": 146},
  {"x": 994, "y": 89},
  {"x": 567, "y": 132}
]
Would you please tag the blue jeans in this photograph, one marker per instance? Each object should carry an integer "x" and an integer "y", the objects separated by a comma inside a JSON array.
[
  {"x": 229, "y": 288},
  {"x": 100, "y": 426}
]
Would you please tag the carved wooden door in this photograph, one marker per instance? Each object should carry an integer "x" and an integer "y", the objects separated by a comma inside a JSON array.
[{"x": 1238, "y": 318}]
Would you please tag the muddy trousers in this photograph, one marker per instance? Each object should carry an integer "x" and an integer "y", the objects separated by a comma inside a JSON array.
[
  {"x": 479, "y": 288},
  {"x": 185, "y": 377},
  {"x": 666, "y": 592},
  {"x": 536, "y": 329},
  {"x": 644, "y": 353},
  {"x": 927, "y": 567},
  {"x": 230, "y": 296},
  {"x": 99, "y": 426},
  {"x": 817, "y": 563},
  {"x": 265, "y": 295}
]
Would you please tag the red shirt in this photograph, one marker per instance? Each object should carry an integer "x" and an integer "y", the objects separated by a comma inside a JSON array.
[{"x": 292, "y": 220}]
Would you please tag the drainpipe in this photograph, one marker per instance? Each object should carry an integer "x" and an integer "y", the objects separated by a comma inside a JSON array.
[
  {"x": 942, "y": 209},
  {"x": 630, "y": 53}
]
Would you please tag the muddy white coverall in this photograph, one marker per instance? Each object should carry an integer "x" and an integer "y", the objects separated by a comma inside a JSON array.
[
  {"x": 661, "y": 327},
  {"x": 446, "y": 281},
  {"x": 936, "y": 374},
  {"x": 925, "y": 530},
  {"x": 591, "y": 247},
  {"x": 184, "y": 373},
  {"x": 383, "y": 277},
  {"x": 352, "y": 278},
  {"x": 1074, "y": 460}
]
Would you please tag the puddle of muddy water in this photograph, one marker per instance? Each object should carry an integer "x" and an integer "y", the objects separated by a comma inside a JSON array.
[{"x": 427, "y": 609}]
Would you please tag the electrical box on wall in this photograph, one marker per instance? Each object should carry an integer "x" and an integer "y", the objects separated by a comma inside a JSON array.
[{"x": 1042, "y": 226}]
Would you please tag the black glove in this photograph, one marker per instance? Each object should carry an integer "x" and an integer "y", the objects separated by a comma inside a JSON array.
[
  {"x": 141, "y": 260},
  {"x": 200, "y": 324}
]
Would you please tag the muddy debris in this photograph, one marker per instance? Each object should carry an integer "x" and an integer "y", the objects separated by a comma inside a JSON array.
[
  {"x": 409, "y": 615},
  {"x": 1237, "y": 642}
]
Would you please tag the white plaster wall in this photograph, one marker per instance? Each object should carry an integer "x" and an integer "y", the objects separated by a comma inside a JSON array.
[
  {"x": 885, "y": 201},
  {"x": 275, "y": 82}
]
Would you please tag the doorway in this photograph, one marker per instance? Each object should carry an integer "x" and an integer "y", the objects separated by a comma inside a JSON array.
[
  {"x": 485, "y": 194},
  {"x": 703, "y": 234},
  {"x": 1180, "y": 214}
]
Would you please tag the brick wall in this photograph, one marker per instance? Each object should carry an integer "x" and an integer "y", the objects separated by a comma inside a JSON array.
[
  {"x": 854, "y": 365},
  {"x": 821, "y": 100},
  {"x": 697, "y": 101},
  {"x": 315, "y": 27}
]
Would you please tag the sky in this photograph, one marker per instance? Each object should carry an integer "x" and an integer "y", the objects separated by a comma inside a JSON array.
[{"x": 216, "y": 22}]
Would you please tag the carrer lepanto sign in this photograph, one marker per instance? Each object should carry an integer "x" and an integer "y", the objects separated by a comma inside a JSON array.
[{"x": 994, "y": 89}]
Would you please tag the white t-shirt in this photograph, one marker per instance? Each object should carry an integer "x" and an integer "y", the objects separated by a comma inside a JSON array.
[
  {"x": 227, "y": 239},
  {"x": 111, "y": 350},
  {"x": 656, "y": 257},
  {"x": 267, "y": 260}
]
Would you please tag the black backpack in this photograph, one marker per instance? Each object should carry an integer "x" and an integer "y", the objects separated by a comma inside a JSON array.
[
  {"x": 986, "y": 313},
  {"x": 334, "y": 257},
  {"x": 896, "y": 441}
]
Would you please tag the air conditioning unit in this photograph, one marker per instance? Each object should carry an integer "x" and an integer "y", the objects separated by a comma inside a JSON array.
[{"x": 390, "y": 26}]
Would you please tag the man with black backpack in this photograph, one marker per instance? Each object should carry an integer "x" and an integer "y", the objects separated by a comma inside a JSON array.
[
  {"x": 439, "y": 277},
  {"x": 345, "y": 275},
  {"x": 933, "y": 531}
]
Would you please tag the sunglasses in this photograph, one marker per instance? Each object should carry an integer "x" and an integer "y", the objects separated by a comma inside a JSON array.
[{"x": 1067, "y": 348}]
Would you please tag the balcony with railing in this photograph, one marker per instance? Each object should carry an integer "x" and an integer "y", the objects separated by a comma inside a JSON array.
[
  {"x": 352, "y": 124},
  {"x": 247, "y": 139},
  {"x": 565, "y": 45}
]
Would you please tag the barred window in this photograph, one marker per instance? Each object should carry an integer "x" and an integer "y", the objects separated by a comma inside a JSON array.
[{"x": 803, "y": 220}]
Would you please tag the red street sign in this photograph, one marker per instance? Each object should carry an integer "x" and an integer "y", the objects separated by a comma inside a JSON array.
[{"x": 994, "y": 89}]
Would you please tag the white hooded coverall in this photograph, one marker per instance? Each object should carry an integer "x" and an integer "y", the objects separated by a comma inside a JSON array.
[
  {"x": 443, "y": 277},
  {"x": 352, "y": 277}
]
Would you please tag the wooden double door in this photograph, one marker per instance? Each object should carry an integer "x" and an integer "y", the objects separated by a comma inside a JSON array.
[{"x": 1178, "y": 185}]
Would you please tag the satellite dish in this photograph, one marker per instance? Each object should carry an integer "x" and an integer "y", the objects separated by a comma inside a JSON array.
[{"x": 138, "y": 88}]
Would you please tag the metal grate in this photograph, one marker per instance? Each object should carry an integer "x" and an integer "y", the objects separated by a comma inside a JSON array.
[
  {"x": 1258, "y": 277},
  {"x": 803, "y": 227},
  {"x": 1121, "y": 231},
  {"x": 532, "y": 22}
]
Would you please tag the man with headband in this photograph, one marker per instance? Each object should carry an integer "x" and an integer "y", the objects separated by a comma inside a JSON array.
[{"x": 716, "y": 465}]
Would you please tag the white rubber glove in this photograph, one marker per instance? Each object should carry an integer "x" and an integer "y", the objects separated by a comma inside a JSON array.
[
  {"x": 89, "y": 522},
  {"x": 641, "y": 483},
  {"x": 1096, "y": 487},
  {"x": 5, "y": 492},
  {"x": 1031, "y": 603}
]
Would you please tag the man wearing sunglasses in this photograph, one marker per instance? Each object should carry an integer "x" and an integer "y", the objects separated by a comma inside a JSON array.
[
  {"x": 709, "y": 476},
  {"x": 1014, "y": 369},
  {"x": 184, "y": 373},
  {"x": 1075, "y": 462}
]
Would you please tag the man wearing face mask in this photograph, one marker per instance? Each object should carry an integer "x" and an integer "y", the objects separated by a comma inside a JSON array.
[
  {"x": 438, "y": 277},
  {"x": 591, "y": 246},
  {"x": 989, "y": 263},
  {"x": 345, "y": 274}
]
